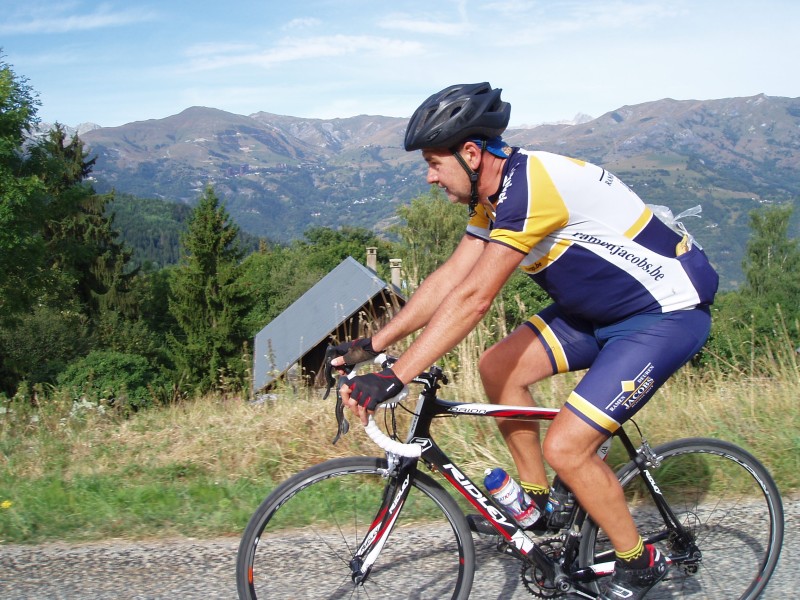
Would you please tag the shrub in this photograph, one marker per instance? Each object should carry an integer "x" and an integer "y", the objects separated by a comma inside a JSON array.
[{"x": 123, "y": 380}]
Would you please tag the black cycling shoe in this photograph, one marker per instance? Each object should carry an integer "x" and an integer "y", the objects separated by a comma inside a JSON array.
[{"x": 633, "y": 584}]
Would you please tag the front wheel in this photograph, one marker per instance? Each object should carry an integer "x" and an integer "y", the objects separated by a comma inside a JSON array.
[
  {"x": 730, "y": 507},
  {"x": 300, "y": 541}
]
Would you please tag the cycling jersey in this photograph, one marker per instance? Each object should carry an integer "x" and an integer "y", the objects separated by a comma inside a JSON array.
[{"x": 590, "y": 242}]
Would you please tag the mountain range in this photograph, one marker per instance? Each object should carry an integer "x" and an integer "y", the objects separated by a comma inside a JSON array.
[{"x": 279, "y": 175}]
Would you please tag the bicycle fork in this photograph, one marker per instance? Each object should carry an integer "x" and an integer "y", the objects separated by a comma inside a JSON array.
[{"x": 394, "y": 497}]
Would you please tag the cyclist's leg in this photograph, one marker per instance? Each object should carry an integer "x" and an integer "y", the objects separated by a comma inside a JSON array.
[
  {"x": 639, "y": 355},
  {"x": 548, "y": 343},
  {"x": 507, "y": 369},
  {"x": 571, "y": 449}
]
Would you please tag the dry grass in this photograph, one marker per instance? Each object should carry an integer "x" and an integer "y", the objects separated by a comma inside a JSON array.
[
  {"x": 225, "y": 454},
  {"x": 274, "y": 439}
]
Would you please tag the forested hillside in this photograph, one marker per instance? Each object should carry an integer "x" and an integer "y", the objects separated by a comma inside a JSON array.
[
  {"x": 123, "y": 303},
  {"x": 279, "y": 175}
]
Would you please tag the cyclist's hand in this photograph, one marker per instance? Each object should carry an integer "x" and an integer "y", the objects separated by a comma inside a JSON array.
[
  {"x": 363, "y": 393},
  {"x": 349, "y": 354}
]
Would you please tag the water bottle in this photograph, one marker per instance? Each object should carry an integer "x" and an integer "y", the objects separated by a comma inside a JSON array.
[
  {"x": 559, "y": 505},
  {"x": 508, "y": 493}
]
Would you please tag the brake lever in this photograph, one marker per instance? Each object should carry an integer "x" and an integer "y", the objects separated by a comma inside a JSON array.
[
  {"x": 329, "y": 378},
  {"x": 341, "y": 421},
  {"x": 343, "y": 426}
]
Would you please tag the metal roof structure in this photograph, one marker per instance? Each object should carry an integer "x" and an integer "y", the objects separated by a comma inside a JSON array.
[{"x": 312, "y": 318}]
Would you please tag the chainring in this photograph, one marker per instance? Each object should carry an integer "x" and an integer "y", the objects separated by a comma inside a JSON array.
[{"x": 532, "y": 577}]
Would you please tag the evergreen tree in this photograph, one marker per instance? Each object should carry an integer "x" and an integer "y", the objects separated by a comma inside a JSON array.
[
  {"x": 21, "y": 245},
  {"x": 208, "y": 300},
  {"x": 772, "y": 261},
  {"x": 82, "y": 250},
  {"x": 765, "y": 310}
]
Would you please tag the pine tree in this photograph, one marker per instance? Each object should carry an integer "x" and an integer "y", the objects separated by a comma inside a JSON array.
[
  {"x": 208, "y": 300},
  {"x": 765, "y": 311},
  {"x": 82, "y": 250},
  {"x": 772, "y": 260},
  {"x": 21, "y": 246}
]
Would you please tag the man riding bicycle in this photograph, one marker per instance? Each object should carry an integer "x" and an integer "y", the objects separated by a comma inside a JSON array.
[{"x": 630, "y": 304}]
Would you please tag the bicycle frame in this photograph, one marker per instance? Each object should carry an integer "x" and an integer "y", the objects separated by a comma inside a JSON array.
[{"x": 429, "y": 407}]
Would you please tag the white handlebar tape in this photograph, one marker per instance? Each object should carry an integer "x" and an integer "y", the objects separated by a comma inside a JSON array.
[{"x": 388, "y": 444}]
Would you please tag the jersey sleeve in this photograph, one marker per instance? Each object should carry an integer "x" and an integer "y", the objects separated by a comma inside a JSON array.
[
  {"x": 480, "y": 223},
  {"x": 529, "y": 206}
]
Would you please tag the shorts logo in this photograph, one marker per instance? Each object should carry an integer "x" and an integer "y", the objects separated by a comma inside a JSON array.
[{"x": 633, "y": 390}]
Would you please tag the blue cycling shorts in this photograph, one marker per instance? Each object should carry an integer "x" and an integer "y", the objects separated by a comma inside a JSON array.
[{"x": 627, "y": 361}]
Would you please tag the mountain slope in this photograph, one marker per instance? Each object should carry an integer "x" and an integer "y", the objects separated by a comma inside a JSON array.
[{"x": 279, "y": 174}]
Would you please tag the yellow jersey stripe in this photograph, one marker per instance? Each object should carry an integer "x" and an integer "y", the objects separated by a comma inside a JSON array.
[
  {"x": 546, "y": 211},
  {"x": 640, "y": 223},
  {"x": 552, "y": 255}
]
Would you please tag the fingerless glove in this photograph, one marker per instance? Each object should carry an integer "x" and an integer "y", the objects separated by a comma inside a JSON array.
[
  {"x": 374, "y": 388},
  {"x": 356, "y": 351}
]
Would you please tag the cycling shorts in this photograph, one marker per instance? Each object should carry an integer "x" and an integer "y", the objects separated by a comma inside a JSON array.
[{"x": 627, "y": 361}]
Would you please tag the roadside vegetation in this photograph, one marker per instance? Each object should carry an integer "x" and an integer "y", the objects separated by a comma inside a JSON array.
[
  {"x": 79, "y": 471},
  {"x": 124, "y": 388}
]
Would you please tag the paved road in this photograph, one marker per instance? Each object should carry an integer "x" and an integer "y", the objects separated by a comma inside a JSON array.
[{"x": 204, "y": 569}]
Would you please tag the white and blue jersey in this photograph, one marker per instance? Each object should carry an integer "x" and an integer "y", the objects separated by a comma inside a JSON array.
[
  {"x": 630, "y": 294},
  {"x": 590, "y": 242}
]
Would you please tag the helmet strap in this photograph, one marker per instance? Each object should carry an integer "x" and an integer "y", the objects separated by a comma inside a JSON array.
[{"x": 473, "y": 178}]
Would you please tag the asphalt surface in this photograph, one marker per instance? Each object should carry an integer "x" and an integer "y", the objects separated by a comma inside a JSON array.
[{"x": 205, "y": 569}]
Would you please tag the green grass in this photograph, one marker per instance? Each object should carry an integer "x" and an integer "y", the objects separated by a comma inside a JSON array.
[
  {"x": 201, "y": 468},
  {"x": 91, "y": 507}
]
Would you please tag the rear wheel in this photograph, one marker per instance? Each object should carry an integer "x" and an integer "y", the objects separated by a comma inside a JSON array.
[
  {"x": 728, "y": 503},
  {"x": 300, "y": 541}
]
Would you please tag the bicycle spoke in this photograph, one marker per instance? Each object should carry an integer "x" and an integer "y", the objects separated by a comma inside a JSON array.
[
  {"x": 729, "y": 506},
  {"x": 305, "y": 538}
]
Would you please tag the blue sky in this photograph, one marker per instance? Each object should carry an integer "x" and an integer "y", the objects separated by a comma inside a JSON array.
[{"x": 118, "y": 61}]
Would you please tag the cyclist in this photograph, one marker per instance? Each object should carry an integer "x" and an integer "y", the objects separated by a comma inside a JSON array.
[{"x": 630, "y": 304}]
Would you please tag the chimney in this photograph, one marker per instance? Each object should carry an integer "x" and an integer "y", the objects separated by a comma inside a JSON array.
[
  {"x": 372, "y": 259},
  {"x": 395, "y": 264}
]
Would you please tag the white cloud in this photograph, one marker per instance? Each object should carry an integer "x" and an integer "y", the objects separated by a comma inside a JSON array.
[
  {"x": 302, "y": 23},
  {"x": 296, "y": 49},
  {"x": 36, "y": 22},
  {"x": 432, "y": 27},
  {"x": 207, "y": 49}
]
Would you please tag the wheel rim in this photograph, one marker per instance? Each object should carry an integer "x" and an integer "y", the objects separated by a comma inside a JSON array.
[
  {"x": 306, "y": 544},
  {"x": 730, "y": 507}
]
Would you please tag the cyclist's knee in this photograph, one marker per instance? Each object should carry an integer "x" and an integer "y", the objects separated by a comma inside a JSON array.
[
  {"x": 561, "y": 453},
  {"x": 570, "y": 443}
]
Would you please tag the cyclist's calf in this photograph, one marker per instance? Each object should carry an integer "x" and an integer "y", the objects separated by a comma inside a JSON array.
[{"x": 570, "y": 447}]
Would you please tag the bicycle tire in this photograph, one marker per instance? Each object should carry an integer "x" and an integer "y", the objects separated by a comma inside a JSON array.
[
  {"x": 729, "y": 502},
  {"x": 299, "y": 542}
]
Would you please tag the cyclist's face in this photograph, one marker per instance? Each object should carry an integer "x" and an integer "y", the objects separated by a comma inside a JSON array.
[{"x": 446, "y": 172}]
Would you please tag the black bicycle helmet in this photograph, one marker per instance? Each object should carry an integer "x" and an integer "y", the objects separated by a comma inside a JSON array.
[{"x": 456, "y": 113}]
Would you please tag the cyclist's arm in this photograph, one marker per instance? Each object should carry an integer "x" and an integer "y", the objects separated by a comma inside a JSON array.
[
  {"x": 460, "y": 310},
  {"x": 429, "y": 296}
]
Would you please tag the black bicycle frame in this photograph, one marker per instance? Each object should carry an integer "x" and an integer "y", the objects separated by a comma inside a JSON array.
[{"x": 429, "y": 406}]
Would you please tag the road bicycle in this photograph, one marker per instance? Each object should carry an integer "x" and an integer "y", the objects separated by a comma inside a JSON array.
[{"x": 367, "y": 527}]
